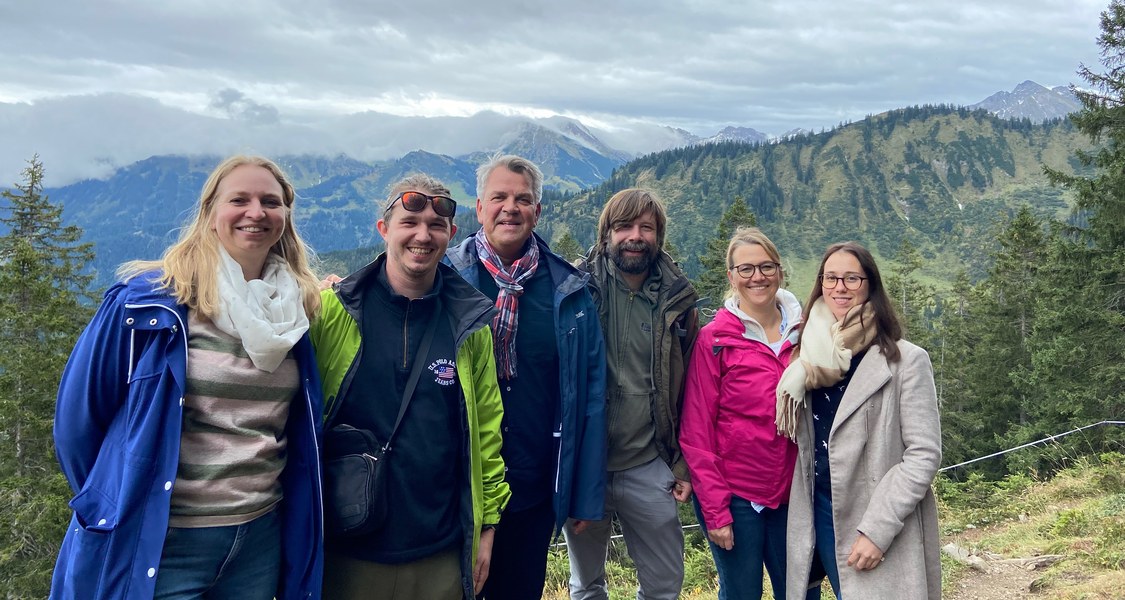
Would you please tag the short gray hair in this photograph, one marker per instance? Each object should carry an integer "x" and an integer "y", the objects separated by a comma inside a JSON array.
[{"x": 515, "y": 164}]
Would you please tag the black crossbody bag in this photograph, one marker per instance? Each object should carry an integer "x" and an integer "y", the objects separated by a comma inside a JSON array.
[{"x": 355, "y": 464}]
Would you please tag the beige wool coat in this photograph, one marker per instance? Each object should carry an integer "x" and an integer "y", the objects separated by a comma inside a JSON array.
[{"x": 884, "y": 451}]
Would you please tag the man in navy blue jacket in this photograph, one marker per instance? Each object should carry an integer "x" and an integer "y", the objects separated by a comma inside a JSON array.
[{"x": 550, "y": 361}]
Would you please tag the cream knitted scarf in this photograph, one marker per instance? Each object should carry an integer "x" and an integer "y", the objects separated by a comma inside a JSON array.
[
  {"x": 267, "y": 314},
  {"x": 825, "y": 355}
]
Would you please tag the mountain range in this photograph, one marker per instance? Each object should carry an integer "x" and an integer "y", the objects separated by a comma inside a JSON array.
[
  {"x": 135, "y": 212},
  {"x": 91, "y": 137},
  {"x": 938, "y": 178}
]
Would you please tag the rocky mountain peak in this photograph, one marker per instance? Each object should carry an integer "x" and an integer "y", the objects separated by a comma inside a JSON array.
[{"x": 1033, "y": 101}]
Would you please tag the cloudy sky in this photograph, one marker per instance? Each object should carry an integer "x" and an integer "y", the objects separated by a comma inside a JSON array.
[{"x": 77, "y": 74}]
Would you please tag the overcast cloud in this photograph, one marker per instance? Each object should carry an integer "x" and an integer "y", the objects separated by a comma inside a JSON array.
[{"x": 94, "y": 85}]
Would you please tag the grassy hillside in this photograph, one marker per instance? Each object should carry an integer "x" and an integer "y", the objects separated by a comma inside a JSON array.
[
  {"x": 1077, "y": 518},
  {"x": 938, "y": 177}
]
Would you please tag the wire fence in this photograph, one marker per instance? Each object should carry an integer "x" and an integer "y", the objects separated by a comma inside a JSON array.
[
  {"x": 1046, "y": 440},
  {"x": 1050, "y": 438}
]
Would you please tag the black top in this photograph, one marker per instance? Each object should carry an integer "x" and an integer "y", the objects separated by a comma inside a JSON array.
[
  {"x": 531, "y": 399},
  {"x": 825, "y": 403},
  {"x": 425, "y": 464}
]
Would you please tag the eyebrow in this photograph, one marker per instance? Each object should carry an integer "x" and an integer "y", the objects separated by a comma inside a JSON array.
[{"x": 248, "y": 193}]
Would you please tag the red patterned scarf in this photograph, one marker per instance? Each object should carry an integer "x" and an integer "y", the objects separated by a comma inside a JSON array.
[{"x": 510, "y": 283}]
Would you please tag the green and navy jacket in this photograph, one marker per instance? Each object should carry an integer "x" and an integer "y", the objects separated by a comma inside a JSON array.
[{"x": 340, "y": 346}]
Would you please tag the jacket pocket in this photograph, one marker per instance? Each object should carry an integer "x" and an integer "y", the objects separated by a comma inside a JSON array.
[
  {"x": 86, "y": 547},
  {"x": 95, "y": 511}
]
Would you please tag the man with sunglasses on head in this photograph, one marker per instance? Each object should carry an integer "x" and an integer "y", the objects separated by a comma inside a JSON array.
[
  {"x": 647, "y": 310},
  {"x": 551, "y": 365},
  {"x": 445, "y": 482}
]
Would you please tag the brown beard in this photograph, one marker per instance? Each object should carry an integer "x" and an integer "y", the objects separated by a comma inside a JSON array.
[{"x": 632, "y": 264}]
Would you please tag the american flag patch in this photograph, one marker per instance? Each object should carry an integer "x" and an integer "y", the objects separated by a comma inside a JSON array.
[{"x": 444, "y": 370}]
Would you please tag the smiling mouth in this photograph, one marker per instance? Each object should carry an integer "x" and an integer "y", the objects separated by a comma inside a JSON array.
[
  {"x": 252, "y": 229},
  {"x": 420, "y": 251}
]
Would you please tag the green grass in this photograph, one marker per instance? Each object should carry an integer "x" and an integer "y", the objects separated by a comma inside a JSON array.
[{"x": 1079, "y": 513}]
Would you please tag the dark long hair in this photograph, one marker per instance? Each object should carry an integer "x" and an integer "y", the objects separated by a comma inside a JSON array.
[{"x": 888, "y": 329}]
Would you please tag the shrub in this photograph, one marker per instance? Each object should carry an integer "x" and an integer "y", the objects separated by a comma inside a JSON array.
[{"x": 1069, "y": 523}]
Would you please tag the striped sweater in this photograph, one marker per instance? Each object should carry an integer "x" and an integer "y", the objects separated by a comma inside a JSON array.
[{"x": 233, "y": 444}]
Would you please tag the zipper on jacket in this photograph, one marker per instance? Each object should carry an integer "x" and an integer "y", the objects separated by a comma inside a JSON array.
[
  {"x": 316, "y": 463},
  {"x": 406, "y": 334}
]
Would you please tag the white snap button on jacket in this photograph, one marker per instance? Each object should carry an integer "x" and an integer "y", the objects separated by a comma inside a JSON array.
[
  {"x": 167, "y": 485},
  {"x": 151, "y": 572}
]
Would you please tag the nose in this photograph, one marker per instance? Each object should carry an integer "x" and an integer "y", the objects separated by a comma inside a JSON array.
[{"x": 255, "y": 210}]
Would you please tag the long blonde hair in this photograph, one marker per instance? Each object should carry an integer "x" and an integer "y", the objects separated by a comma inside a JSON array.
[{"x": 188, "y": 268}]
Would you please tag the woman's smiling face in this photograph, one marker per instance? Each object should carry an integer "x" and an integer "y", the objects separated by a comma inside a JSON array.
[
  {"x": 840, "y": 299},
  {"x": 757, "y": 291}
]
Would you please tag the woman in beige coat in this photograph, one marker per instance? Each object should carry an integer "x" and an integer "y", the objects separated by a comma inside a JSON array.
[{"x": 860, "y": 402}]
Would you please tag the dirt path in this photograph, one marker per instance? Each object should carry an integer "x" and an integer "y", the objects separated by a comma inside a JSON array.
[{"x": 1001, "y": 582}]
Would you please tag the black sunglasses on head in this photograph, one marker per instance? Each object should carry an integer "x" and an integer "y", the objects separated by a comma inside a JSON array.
[{"x": 412, "y": 201}]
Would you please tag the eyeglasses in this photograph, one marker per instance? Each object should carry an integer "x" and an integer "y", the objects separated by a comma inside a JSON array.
[
  {"x": 851, "y": 282},
  {"x": 444, "y": 206},
  {"x": 746, "y": 271}
]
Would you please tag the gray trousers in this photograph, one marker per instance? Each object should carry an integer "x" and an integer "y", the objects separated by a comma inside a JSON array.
[{"x": 641, "y": 499}]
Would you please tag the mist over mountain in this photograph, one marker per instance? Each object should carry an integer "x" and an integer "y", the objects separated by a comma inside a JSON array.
[{"x": 90, "y": 137}]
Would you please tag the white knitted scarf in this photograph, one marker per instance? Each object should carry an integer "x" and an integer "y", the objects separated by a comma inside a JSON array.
[{"x": 267, "y": 314}]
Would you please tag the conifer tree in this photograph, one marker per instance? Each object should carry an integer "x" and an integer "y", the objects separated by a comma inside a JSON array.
[
  {"x": 712, "y": 283},
  {"x": 42, "y": 285},
  {"x": 913, "y": 299},
  {"x": 1078, "y": 341},
  {"x": 567, "y": 247},
  {"x": 1102, "y": 118},
  {"x": 998, "y": 347},
  {"x": 951, "y": 371}
]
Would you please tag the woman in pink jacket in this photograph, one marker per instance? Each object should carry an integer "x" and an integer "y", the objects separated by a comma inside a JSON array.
[{"x": 741, "y": 469}]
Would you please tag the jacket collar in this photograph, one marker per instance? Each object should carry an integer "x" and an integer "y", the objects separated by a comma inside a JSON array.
[
  {"x": 467, "y": 308},
  {"x": 565, "y": 277},
  {"x": 144, "y": 289},
  {"x": 872, "y": 373},
  {"x": 731, "y": 323}
]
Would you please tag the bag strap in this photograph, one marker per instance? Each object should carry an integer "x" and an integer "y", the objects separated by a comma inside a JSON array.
[{"x": 415, "y": 372}]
